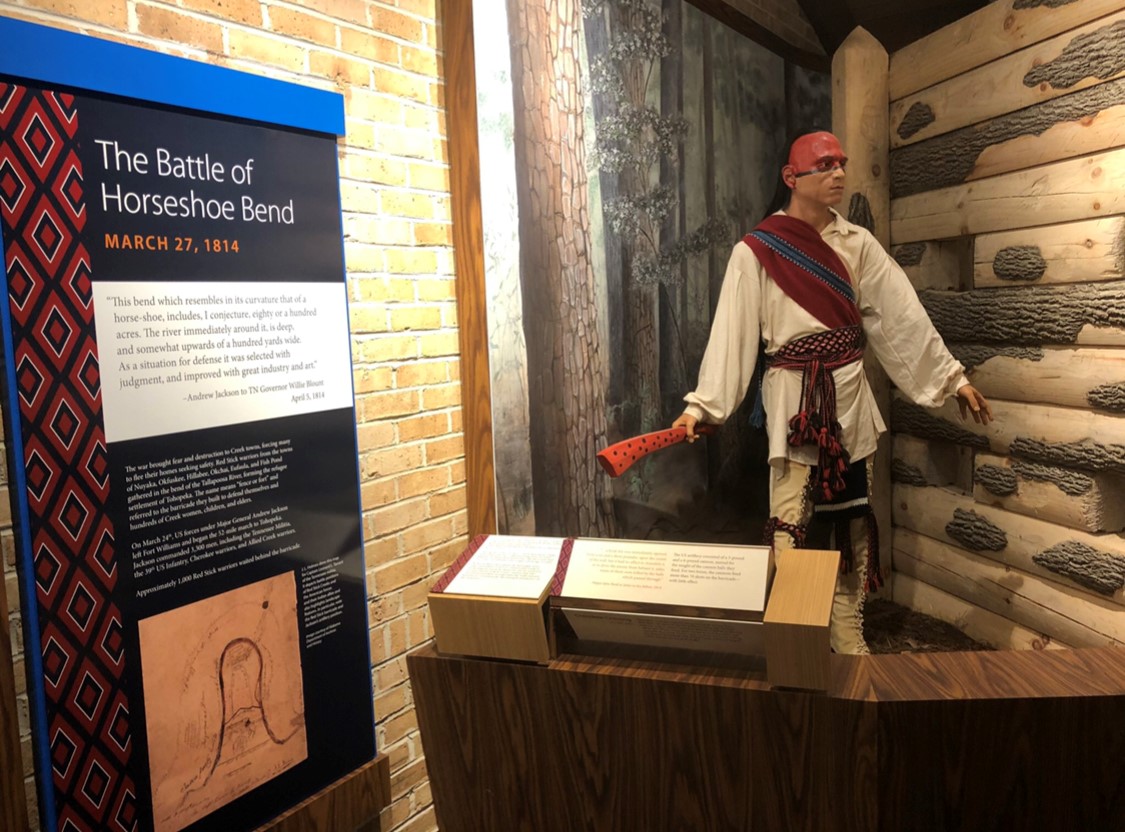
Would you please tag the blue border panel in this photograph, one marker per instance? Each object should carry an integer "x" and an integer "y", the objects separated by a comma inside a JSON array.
[{"x": 52, "y": 56}]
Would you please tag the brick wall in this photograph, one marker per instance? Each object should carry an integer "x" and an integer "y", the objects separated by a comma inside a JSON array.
[{"x": 383, "y": 57}]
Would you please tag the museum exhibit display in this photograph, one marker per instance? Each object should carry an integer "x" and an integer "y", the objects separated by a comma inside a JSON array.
[
  {"x": 181, "y": 435},
  {"x": 984, "y": 158}
]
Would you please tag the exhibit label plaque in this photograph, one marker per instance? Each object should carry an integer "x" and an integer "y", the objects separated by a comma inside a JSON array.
[{"x": 181, "y": 437}]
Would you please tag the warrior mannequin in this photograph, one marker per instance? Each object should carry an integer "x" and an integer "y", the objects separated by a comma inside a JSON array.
[{"x": 819, "y": 291}]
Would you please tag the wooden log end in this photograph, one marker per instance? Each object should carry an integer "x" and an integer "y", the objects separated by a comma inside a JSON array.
[
  {"x": 1099, "y": 571},
  {"x": 1109, "y": 397},
  {"x": 1072, "y": 483},
  {"x": 976, "y": 533},
  {"x": 908, "y": 474},
  {"x": 907, "y": 417},
  {"x": 1086, "y": 455},
  {"x": 996, "y": 480}
]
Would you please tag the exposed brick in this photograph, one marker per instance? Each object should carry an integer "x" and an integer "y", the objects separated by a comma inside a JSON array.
[
  {"x": 426, "y": 536},
  {"x": 439, "y": 344},
  {"x": 411, "y": 144},
  {"x": 302, "y": 26},
  {"x": 409, "y": 776},
  {"x": 419, "y": 483},
  {"x": 416, "y": 595},
  {"x": 385, "y": 290},
  {"x": 367, "y": 229},
  {"x": 359, "y": 133},
  {"x": 358, "y": 196},
  {"x": 448, "y": 316},
  {"x": 392, "y": 701},
  {"x": 426, "y": 426},
  {"x": 443, "y": 450},
  {"x": 372, "y": 379},
  {"x": 447, "y": 502},
  {"x": 422, "y": 8},
  {"x": 340, "y": 69},
  {"x": 248, "y": 12},
  {"x": 365, "y": 44},
  {"x": 423, "y": 117},
  {"x": 433, "y": 233},
  {"x": 390, "y": 348},
  {"x": 392, "y": 460},
  {"x": 422, "y": 61},
  {"x": 352, "y": 11},
  {"x": 273, "y": 51},
  {"x": 371, "y": 317},
  {"x": 397, "y": 24},
  {"x": 411, "y": 261},
  {"x": 457, "y": 472},
  {"x": 380, "y": 169},
  {"x": 115, "y": 15},
  {"x": 421, "y": 822},
  {"x": 414, "y": 318},
  {"x": 375, "y": 435},
  {"x": 421, "y": 373},
  {"x": 399, "y": 573},
  {"x": 377, "y": 551},
  {"x": 394, "y": 82},
  {"x": 429, "y": 177},
  {"x": 361, "y": 257},
  {"x": 403, "y": 514},
  {"x": 168, "y": 24},
  {"x": 402, "y": 204},
  {"x": 378, "y": 493},
  {"x": 388, "y": 405},
  {"x": 445, "y": 395},
  {"x": 398, "y": 726}
]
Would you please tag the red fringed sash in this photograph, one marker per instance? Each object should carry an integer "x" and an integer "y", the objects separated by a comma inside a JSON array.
[{"x": 816, "y": 356}]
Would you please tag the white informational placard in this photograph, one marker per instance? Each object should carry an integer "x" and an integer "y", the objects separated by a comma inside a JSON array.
[
  {"x": 712, "y": 635},
  {"x": 206, "y": 355},
  {"x": 509, "y": 567},
  {"x": 681, "y": 574}
]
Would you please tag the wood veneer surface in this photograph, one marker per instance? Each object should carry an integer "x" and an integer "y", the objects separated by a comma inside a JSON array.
[
  {"x": 350, "y": 803},
  {"x": 963, "y": 741}
]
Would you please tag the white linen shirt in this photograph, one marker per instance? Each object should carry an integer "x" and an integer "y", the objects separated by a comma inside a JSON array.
[{"x": 899, "y": 334}]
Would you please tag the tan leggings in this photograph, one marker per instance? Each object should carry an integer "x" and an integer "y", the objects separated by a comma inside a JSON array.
[{"x": 790, "y": 504}]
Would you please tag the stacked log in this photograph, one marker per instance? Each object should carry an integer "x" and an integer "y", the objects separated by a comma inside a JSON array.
[{"x": 1007, "y": 170}]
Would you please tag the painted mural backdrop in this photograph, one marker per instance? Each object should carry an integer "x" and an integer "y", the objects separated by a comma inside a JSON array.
[{"x": 626, "y": 145}]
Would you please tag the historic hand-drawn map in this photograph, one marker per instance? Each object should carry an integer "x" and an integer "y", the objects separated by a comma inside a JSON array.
[{"x": 223, "y": 698}]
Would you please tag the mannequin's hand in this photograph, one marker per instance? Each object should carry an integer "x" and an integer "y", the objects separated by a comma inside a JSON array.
[
  {"x": 688, "y": 422},
  {"x": 969, "y": 399}
]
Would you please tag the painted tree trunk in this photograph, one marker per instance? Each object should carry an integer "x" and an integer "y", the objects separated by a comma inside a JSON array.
[
  {"x": 566, "y": 399},
  {"x": 597, "y": 45}
]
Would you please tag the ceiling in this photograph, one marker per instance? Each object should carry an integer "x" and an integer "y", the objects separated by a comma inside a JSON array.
[{"x": 894, "y": 23}]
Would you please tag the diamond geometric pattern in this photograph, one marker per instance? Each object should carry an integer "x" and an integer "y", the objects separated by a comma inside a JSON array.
[{"x": 43, "y": 212}]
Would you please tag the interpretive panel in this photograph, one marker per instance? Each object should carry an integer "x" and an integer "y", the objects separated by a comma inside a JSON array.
[
  {"x": 682, "y": 574},
  {"x": 181, "y": 440}
]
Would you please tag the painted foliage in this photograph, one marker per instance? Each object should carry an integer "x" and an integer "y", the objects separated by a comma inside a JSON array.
[{"x": 626, "y": 145}]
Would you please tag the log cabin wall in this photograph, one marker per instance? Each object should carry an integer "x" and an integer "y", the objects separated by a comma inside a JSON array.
[{"x": 1008, "y": 193}]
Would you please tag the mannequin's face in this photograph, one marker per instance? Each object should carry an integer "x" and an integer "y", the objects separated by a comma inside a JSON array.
[{"x": 815, "y": 172}]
